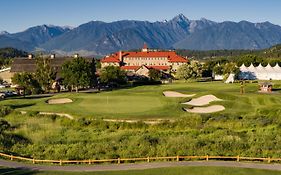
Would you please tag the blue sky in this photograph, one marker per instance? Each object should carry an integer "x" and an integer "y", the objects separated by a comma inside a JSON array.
[{"x": 18, "y": 15}]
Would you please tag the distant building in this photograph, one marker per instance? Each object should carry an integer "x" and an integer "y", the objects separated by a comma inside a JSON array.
[
  {"x": 6, "y": 75},
  {"x": 140, "y": 62},
  {"x": 28, "y": 64}
]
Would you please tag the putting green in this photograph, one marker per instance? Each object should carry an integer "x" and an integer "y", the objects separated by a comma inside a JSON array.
[
  {"x": 102, "y": 103},
  {"x": 148, "y": 102}
]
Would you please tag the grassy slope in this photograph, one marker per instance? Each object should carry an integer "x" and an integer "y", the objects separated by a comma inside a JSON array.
[
  {"x": 148, "y": 101},
  {"x": 162, "y": 171},
  {"x": 255, "y": 133}
]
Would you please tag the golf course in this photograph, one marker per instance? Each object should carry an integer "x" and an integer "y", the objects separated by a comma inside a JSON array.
[
  {"x": 248, "y": 125},
  {"x": 148, "y": 102}
]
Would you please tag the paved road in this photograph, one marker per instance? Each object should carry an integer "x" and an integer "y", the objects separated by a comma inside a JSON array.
[{"x": 137, "y": 166}]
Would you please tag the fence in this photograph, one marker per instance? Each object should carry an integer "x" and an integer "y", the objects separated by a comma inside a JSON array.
[{"x": 146, "y": 159}]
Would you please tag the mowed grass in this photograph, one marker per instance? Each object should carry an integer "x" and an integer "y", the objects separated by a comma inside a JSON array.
[
  {"x": 158, "y": 171},
  {"x": 148, "y": 102}
]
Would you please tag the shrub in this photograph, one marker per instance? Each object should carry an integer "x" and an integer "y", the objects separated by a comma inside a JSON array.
[
  {"x": 53, "y": 117},
  {"x": 5, "y": 110},
  {"x": 32, "y": 113},
  {"x": 4, "y": 125}
]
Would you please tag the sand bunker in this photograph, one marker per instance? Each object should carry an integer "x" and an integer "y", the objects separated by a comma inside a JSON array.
[
  {"x": 208, "y": 109},
  {"x": 201, "y": 101},
  {"x": 59, "y": 101},
  {"x": 176, "y": 94}
]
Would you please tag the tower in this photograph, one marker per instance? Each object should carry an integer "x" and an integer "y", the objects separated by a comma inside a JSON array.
[{"x": 144, "y": 49}]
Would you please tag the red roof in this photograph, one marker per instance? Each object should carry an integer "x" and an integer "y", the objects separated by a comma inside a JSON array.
[
  {"x": 159, "y": 67},
  {"x": 149, "y": 67},
  {"x": 130, "y": 67},
  {"x": 114, "y": 58},
  {"x": 171, "y": 55}
]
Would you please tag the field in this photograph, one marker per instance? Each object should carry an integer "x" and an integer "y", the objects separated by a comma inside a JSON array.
[
  {"x": 250, "y": 125},
  {"x": 148, "y": 102},
  {"x": 162, "y": 171}
]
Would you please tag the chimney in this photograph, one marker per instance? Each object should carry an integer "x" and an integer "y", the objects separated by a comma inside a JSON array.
[
  {"x": 76, "y": 55},
  {"x": 30, "y": 56},
  {"x": 53, "y": 56},
  {"x": 120, "y": 55}
]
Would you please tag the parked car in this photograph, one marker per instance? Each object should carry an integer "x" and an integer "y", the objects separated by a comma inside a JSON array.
[
  {"x": 10, "y": 93},
  {"x": 2, "y": 86},
  {"x": 14, "y": 86}
]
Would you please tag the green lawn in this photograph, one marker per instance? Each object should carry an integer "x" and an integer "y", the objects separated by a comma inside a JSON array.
[
  {"x": 147, "y": 102},
  {"x": 159, "y": 171},
  {"x": 250, "y": 125}
]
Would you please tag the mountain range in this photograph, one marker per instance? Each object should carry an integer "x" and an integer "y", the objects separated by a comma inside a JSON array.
[{"x": 100, "y": 38}]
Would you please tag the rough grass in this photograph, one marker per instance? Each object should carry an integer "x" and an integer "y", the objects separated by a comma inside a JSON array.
[
  {"x": 158, "y": 171},
  {"x": 250, "y": 125}
]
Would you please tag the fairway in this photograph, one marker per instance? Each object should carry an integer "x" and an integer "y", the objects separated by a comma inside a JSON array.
[{"x": 148, "y": 102}]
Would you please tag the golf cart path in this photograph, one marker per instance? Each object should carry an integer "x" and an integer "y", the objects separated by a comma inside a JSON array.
[{"x": 138, "y": 166}]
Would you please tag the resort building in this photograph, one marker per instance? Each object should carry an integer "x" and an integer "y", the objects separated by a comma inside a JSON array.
[
  {"x": 140, "y": 62},
  {"x": 28, "y": 64},
  {"x": 6, "y": 75}
]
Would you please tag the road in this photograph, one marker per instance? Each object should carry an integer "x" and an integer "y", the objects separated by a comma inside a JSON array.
[{"x": 137, "y": 166}]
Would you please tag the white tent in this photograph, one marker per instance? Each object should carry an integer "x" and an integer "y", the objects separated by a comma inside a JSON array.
[
  {"x": 230, "y": 78},
  {"x": 260, "y": 72}
]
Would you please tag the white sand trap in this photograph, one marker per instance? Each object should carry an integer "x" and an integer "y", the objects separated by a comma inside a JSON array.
[
  {"x": 176, "y": 94},
  {"x": 59, "y": 101},
  {"x": 208, "y": 109},
  {"x": 201, "y": 101}
]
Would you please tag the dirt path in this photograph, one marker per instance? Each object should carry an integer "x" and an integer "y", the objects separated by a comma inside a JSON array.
[
  {"x": 53, "y": 113},
  {"x": 138, "y": 166}
]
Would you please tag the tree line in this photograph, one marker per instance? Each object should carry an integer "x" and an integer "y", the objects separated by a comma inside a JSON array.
[
  {"x": 6, "y": 55},
  {"x": 76, "y": 73},
  {"x": 273, "y": 52}
]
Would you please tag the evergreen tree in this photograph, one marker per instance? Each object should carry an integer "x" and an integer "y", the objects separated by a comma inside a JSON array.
[{"x": 93, "y": 73}]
